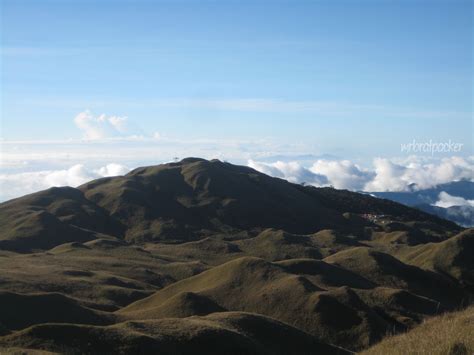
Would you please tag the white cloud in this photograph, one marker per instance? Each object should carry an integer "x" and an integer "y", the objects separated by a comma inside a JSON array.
[
  {"x": 342, "y": 174},
  {"x": 74, "y": 176},
  {"x": 446, "y": 200},
  {"x": 109, "y": 138},
  {"x": 17, "y": 184},
  {"x": 392, "y": 176},
  {"x": 100, "y": 127},
  {"x": 113, "y": 170},
  {"x": 117, "y": 122},
  {"x": 386, "y": 175},
  {"x": 291, "y": 171}
]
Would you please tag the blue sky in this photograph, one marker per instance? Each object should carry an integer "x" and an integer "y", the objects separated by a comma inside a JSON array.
[{"x": 352, "y": 79}]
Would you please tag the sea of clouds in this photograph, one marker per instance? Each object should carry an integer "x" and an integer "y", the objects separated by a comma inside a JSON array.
[
  {"x": 111, "y": 145},
  {"x": 385, "y": 175}
]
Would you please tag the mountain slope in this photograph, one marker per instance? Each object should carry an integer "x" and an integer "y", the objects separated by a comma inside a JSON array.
[
  {"x": 386, "y": 270},
  {"x": 230, "y": 333},
  {"x": 52, "y": 217},
  {"x": 190, "y": 200},
  {"x": 197, "y": 197},
  {"x": 19, "y": 311},
  {"x": 451, "y": 333},
  {"x": 453, "y": 257},
  {"x": 304, "y": 294},
  {"x": 222, "y": 197}
]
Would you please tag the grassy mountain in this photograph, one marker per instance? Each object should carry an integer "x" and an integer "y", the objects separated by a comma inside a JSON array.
[
  {"x": 186, "y": 201},
  {"x": 181, "y": 256},
  {"x": 197, "y": 197}
]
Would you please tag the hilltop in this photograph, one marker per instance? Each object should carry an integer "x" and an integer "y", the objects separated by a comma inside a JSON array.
[{"x": 191, "y": 200}]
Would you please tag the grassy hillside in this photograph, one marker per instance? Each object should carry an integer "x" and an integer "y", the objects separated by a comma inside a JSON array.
[
  {"x": 230, "y": 333},
  {"x": 451, "y": 333}
]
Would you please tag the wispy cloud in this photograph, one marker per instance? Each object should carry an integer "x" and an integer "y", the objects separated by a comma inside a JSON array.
[
  {"x": 98, "y": 127},
  {"x": 258, "y": 105}
]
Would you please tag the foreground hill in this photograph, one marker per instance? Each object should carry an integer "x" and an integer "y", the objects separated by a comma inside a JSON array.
[
  {"x": 230, "y": 333},
  {"x": 302, "y": 293},
  {"x": 181, "y": 256},
  {"x": 453, "y": 257},
  {"x": 451, "y": 333}
]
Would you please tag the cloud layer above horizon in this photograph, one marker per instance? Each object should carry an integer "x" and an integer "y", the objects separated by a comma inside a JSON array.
[
  {"x": 386, "y": 175},
  {"x": 19, "y": 184},
  {"x": 110, "y": 144}
]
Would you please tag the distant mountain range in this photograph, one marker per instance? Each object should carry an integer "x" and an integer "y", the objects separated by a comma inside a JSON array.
[
  {"x": 203, "y": 256},
  {"x": 426, "y": 199}
]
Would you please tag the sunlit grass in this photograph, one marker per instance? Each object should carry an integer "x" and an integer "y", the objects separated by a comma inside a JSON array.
[{"x": 451, "y": 333}]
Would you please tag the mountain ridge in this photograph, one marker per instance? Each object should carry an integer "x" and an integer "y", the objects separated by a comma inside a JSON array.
[{"x": 188, "y": 200}]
